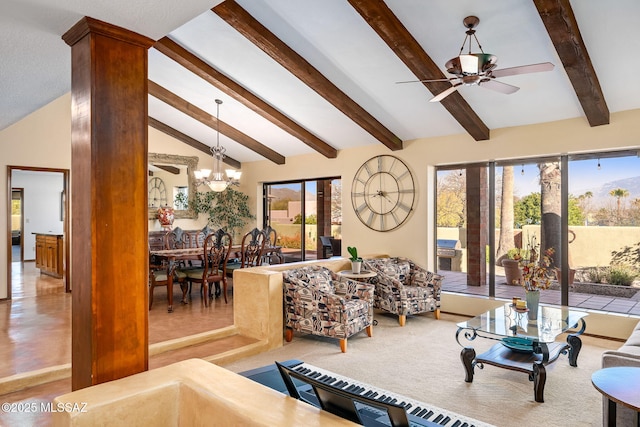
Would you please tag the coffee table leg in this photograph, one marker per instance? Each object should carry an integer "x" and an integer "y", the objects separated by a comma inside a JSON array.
[
  {"x": 611, "y": 421},
  {"x": 575, "y": 344},
  {"x": 539, "y": 378},
  {"x": 468, "y": 355}
]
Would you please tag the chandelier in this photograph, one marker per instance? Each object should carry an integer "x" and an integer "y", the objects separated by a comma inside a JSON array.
[{"x": 215, "y": 179}]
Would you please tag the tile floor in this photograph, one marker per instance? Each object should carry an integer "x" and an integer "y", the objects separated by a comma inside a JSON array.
[
  {"x": 36, "y": 324},
  {"x": 457, "y": 282}
]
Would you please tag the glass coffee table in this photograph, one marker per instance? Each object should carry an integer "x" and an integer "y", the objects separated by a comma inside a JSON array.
[{"x": 523, "y": 345}]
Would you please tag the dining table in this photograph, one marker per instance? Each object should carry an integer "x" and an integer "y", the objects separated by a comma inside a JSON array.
[{"x": 171, "y": 258}]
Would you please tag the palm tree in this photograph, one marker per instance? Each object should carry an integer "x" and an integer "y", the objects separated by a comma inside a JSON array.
[
  {"x": 618, "y": 193},
  {"x": 585, "y": 203},
  {"x": 506, "y": 240},
  {"x": 550, "y": 208}
]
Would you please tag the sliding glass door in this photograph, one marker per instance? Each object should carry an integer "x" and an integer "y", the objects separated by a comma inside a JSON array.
[
  {"x": 577, "y": 217},
  {"x": 301, "y": 212}
]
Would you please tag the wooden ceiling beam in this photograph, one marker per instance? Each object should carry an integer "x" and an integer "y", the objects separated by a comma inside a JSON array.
[
  {"x": 202, "y": 116},
  {"x": 172, "y": 132},
  {"x": 264, "y": 39},
  {"x": 389, "y": 28},
  {"x": 205, "y": 71},
  {"x": 561, "y": 24}
]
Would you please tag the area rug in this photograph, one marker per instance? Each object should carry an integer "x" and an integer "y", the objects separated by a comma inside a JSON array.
[{"x": 422, "y": 361}]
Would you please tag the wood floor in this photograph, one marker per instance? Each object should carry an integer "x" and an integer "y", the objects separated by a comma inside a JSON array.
[{"x": 36, "y": 333}]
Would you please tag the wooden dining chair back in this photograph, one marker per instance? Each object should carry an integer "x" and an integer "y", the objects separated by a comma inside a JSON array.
[
  {"x": 252, "y": 248},
  {"x": 200, "y": 236},
  {"x": 251, "y": 251},
  {"x": 177, "y": 239},
  {"x": 216, "y": 249},
  {"x": 272, "y": 251}
]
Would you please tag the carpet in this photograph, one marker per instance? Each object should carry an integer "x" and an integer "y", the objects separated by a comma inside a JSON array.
[{"x": 422, "y": 361}]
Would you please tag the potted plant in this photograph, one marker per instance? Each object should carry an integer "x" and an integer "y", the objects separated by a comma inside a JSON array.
[
  {"x": 228, "y": 209},
  {"x": 536, "y": 274},
  {"x": 511, "y": 266},
  {"x": 356, "y": 261}
]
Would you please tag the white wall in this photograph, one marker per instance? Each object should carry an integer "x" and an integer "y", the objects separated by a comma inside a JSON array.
[{"x": 41, "y": 205}]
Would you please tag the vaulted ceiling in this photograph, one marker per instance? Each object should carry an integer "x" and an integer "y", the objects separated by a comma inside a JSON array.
[{"x": 320, "y": 76}]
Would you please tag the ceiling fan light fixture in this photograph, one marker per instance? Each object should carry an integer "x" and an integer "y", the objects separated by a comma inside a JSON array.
[{"x": 472, "y": 64}]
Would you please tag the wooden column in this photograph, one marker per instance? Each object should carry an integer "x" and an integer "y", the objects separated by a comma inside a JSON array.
[
  {"x": 323, "y": 212},
  {"x": 109, "y": 254},
  {"x": 477, "y": 225}
]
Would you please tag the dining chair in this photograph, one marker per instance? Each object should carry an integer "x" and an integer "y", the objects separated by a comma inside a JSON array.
[
  {"x": 272, "y": 251},
  {"x": 251, "y": 251},
  {"x": 177, "y": 239},
  {"x": 216, "y": 249},
  {"x": 158, "y": 277}
]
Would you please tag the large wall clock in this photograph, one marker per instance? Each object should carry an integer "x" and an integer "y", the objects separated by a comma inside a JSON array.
[
  {"x": 157, "y": 192},
  {"x": 383, "y": 193}
]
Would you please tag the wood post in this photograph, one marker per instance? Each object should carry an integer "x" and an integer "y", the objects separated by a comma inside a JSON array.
[{"x": 109, "y": 202}]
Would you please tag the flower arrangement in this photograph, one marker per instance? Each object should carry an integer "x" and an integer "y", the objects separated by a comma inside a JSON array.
[{"x": 536, "y": 274}]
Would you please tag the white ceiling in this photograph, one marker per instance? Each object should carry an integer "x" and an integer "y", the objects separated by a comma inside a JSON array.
[{"x": 331, "y": 35}]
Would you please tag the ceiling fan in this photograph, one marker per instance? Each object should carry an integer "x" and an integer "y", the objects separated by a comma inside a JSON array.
[{"x": 479, "y": 68}]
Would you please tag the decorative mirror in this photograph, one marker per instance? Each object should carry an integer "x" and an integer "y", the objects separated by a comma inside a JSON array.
[{"x": 169, "y": 175}]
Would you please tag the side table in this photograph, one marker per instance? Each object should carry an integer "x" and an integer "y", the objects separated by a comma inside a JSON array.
[
  {"x": 620, "y": 386},
  {"x": 364, "y": 274}
]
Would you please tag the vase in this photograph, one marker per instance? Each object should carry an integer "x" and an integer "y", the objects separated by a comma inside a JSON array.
[
  {"x": 356, "y": 266},
  {"x": 533, "y": 301},
  {"x": 165, "y": 215},
  {"x": 512, "y": 271}
]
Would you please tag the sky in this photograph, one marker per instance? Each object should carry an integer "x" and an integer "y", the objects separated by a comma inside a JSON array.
[{"x": 584, "y": 175}]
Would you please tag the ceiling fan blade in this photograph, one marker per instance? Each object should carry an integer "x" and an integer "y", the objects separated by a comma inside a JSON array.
[
  {"x": 523, "y": 69},
  {"x": 499, "y": 86},
  {"x": 428, "y": 81},
  {"x": 439, "y": 97}
]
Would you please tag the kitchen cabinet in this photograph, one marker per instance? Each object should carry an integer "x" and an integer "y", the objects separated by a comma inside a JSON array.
[{"x": 50, "y": 254}]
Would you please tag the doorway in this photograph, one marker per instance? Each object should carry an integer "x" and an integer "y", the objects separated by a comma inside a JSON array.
[
  {"x": 39, "y": 204},
  {"x": 302, "y": 211},
  {"x": 17, "y": 224}
]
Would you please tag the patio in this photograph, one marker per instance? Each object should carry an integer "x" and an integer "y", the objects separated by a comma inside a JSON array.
[{"x": 456, "y": 282}]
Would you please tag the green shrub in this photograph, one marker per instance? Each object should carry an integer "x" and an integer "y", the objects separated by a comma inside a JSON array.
[
  {"x": 597, "y": 274},
  {"x": 524, "y": 253},
  {"x": 621, "y": 275}
]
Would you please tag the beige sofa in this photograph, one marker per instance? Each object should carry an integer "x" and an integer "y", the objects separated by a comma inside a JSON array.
[
  {"x": 189, "y": 393},
  {"x": 627, "y": 355}
]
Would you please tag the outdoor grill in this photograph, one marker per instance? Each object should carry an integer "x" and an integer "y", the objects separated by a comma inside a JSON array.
[{"x": 448, "y": 251}]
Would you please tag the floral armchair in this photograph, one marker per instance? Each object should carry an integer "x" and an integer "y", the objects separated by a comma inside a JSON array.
[
  {"x": 317, "y": 301},
  {"x": 404, "y": 288}
]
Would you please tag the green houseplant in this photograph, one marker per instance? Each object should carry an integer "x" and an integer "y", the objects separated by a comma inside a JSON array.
[
  {"x": 356, "y": 261},
  {"x": 228, "y": 209}
]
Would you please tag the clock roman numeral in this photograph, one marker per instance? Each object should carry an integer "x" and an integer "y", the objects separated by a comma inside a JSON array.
[
  {"x": 366, "y": 167},
  {"x": 404, "y": 207},
  {"x": 372, "y": 216}
]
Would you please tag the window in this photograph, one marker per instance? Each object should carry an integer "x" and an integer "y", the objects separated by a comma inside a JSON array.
[{"x": 586, "y": 208}]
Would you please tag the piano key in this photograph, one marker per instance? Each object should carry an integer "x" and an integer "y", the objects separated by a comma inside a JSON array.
[{"x": 413, "y": 407}]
